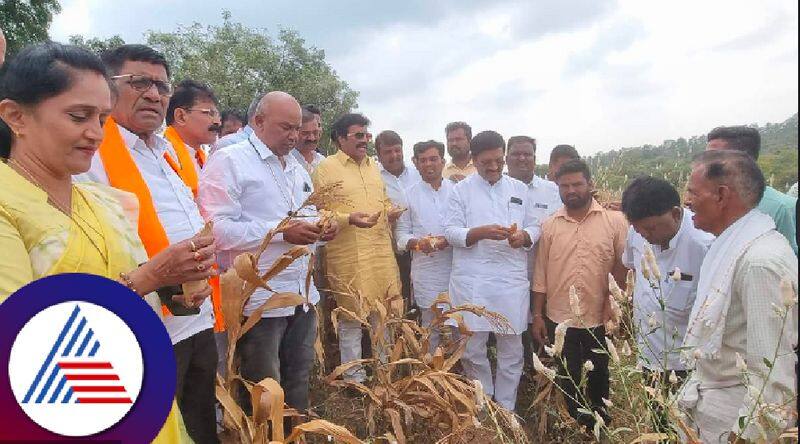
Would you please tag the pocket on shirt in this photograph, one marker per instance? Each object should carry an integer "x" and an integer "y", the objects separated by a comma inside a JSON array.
[
  {"x": 603, "y": 251},
  {"x": 679, "y": 297}
]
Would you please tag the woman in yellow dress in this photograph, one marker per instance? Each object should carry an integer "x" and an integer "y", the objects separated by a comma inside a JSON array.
[{"x": 53, "y": 101}]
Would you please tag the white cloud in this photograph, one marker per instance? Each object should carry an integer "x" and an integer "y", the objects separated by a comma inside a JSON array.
[
  {"x": 73, "y": 19},
  {"x": 599, "y": 75}
]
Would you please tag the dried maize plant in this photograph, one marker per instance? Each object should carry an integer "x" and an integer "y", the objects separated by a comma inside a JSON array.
[
  {"x": 238, "y": 284},
  {"x": 266, "y": 423},
  {"x": 412, "y": 391},
  {"x": 548, "y": 407}
]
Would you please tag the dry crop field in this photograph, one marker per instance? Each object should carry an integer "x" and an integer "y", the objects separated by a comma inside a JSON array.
[{"x": 415, "y": 396}]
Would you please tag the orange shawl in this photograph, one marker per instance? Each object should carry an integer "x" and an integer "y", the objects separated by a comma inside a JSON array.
[
  {"x": 184, "y": 166},
  {"x": 123, "y": 173}
]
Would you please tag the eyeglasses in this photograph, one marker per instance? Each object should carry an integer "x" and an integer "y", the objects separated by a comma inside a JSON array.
[
  {"x": 361, "y": 136},
  {"x": 209, "y": 112},
  {"x": 144, "y": 83}
]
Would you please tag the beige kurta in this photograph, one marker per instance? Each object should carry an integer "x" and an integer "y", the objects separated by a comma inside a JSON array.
[{"x": 361, "y": 257}]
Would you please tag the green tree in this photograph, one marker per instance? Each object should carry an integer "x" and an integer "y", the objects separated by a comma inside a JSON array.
[
  {"x": 26, "y": 21},
  {"x": 239, "y": 62},
  {"x": 95, "y": 44}
]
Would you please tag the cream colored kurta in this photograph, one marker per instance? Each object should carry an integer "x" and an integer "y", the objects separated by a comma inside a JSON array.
[{"x": 363, "y": 256}]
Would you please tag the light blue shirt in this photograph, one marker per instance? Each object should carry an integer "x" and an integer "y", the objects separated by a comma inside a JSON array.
[{"x": 781, "y": 208}]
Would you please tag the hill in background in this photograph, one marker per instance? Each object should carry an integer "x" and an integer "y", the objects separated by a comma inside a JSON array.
[{"x": 671, "y": 160}]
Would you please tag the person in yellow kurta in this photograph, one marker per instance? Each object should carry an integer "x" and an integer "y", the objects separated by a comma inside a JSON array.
[
  {"x": 361, "y": 256},
  {"x": 48, "y": 225}
]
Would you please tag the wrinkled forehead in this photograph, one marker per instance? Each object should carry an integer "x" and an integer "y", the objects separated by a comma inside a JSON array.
[{"x": 152, "y": 70}]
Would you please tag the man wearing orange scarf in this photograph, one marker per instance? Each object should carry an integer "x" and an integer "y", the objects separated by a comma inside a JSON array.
[
  {"x": 193, "y": 121},
  {"x": 134, "y": 158}
]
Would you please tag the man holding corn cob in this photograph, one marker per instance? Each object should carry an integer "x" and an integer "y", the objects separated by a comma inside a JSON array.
[
  {"x": 420, "y": 230},
  {"x": 398, "y": 178},
  {"x": 491, "y": 226},
  {"x": 360, "y": 262},
  {"x": 248, "y": 189}
]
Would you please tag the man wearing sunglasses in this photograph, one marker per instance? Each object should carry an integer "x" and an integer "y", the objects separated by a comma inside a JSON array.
[
  {"x": 193, "y": 121},
  {"x": 133, "y": 158},
  {"x": 361, "y": 257}
]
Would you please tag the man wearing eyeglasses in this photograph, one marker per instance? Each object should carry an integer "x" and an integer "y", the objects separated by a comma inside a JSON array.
[
  {"x": 132, "y": 157},
  {"x": 491, "y": 225},
  {"x": 193, "y": 121},
  {"x": 361, "y": 257}
]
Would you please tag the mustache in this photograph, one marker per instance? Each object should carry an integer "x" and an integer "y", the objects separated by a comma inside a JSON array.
[{"x": 215, "y": 127}]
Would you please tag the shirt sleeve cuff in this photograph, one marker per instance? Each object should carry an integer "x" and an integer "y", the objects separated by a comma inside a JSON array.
[
  {"x": 457, "y": 237},
  {"x": 534, "y": 234},
  {"x": 402, "y": 241}
]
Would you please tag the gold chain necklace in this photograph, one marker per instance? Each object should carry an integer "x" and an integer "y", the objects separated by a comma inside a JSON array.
[{"x": 63, "y": 209}]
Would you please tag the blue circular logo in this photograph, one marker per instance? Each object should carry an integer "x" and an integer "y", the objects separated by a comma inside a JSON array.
[{"x": 86, "y": 358}]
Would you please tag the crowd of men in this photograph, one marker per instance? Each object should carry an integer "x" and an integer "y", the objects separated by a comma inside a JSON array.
[{"x": 482, "y": 227}]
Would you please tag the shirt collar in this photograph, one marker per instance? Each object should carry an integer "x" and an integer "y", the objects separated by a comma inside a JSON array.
[
  {"x": 454, "y": 166},
  {"x": 535, "y": 182},
  {"x": 686, "y": 223},
  {"x": 132, "y": 140},
  {"x": 445, "y": 184},
  {"x": 344, "y": 158},
  {"x": 263, "y": 151},
  {"x": 595, "y": 207},
  {"x": 404, "y": 173},
  {"x": 486, "y": 183}
]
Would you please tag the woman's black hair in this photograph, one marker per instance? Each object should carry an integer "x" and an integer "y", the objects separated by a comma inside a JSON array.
[{"x": 39, "y": 72}]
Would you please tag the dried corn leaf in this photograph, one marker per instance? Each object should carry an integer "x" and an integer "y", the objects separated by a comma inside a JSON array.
[
  {"x": 267, "y": 401},
  {"x": 650, "y": 437},
  {"x": 322, "y": 427},
  {"x": 341, "y": 369},
  {"x": 246, "y": 266},
  {"x": 277, "y": 300},
  {"x": 311, "y": 262},
  {"x": 244, "y": 427},
  {"x": 341, "y": 310},
  {"x": 233, "y": 300},
  {"x": 284, "y": 261},
  {"x": 397, "y": 427}
]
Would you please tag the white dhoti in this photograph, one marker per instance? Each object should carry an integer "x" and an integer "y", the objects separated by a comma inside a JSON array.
[
  {"x": 350, "y": 334},
  {"x": 715, "y": 412},
  {"x": 509, "y": 366}
]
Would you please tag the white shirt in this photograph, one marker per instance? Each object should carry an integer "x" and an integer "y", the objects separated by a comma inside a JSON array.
[
  {"x": 232, "y": 139},
  {"x": 490, "y": 273},
  {"x": 302, "y": 160},
  {"x": 246, "y": 191},
  {"x": 176, "y": 210},
  {"x": 545, "y": 201},
  {"x": 755, "y": 332},
  {"x": 397, "y": 185},
  {"x": 427, "y": 209},
  {"x": 686, "y": 251}
]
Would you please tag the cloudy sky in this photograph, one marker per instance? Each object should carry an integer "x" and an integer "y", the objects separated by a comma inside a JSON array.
[{"x": 599, "y": 75}]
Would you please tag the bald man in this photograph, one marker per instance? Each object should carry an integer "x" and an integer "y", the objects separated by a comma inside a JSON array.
[{"x": 247, "y": 189}]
